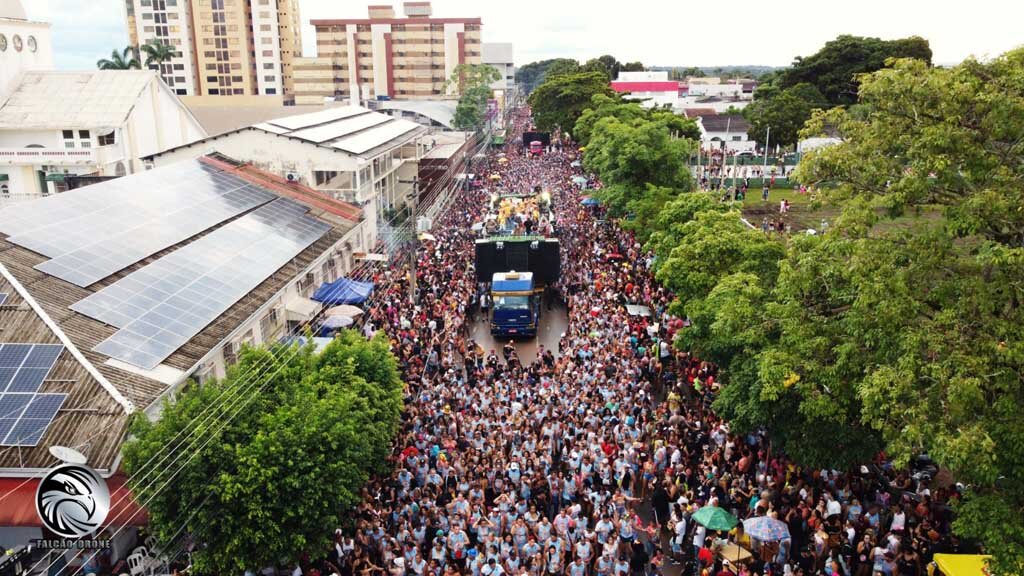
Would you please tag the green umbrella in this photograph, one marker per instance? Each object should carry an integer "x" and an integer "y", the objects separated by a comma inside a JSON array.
[{"x": 715, "y": 518}]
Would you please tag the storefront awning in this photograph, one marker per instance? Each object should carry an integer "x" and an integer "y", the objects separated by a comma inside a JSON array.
[
  {"x": 4, "y": 177},
  {"x": 19, "y": 508},
  {"x": 55, "y": 177},
  {"x": 301, "y": 309}
]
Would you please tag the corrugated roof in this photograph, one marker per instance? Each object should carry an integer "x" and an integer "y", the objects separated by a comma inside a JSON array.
[
  {"x": 440, "y": 111},
  {"x": 353, "y": 129},
  {"x": 58, "y": 100}
]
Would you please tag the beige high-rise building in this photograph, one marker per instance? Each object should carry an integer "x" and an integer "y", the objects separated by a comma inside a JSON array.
[
  {"x": 385, "y": 56},
  {"x": 222, "y": 47}
]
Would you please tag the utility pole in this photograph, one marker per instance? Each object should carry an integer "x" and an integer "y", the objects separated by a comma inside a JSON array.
[
  {"x": 767, "y": 139},
  {"x": 413, "y": 201}
]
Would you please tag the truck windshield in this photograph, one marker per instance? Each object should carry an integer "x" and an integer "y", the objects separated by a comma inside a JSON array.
[{"x": 512, "y": 303}]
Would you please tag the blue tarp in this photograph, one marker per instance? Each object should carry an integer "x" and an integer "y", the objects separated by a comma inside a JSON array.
[{"x": 343, "y": 291}]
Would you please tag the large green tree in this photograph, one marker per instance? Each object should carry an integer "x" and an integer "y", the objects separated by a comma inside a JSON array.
[
  {"x": 562, "y": 98},
  {"x": 531, "y": 75},
  {"x": 950, "y": 138},
  {"x": 262, "y": 483},
  {"x": 834, "y": 69},
  {"x": 635, "y": 156},
  {"x": 474, "y": 86},
  {"x": 785, "y": 113}
]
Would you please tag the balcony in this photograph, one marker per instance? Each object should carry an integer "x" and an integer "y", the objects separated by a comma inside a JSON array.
[{"x": 48, "y": 156}]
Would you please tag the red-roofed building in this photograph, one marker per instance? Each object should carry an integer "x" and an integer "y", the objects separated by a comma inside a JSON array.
[{"x": 654, "y": 88}]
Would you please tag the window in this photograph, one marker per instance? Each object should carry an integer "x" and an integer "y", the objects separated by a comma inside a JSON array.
[
  {"x": 107, "y": 139},
  {"x": 266, "y": 40},
  {"x": 268, "y": 53},
  {"x": 271, "y": 91},
  {"x": 230, "y": 353},
  {"x": 268, "y": 66},
  {"x": 69, "y": 134},
  {"x": 265, "y": 27}
]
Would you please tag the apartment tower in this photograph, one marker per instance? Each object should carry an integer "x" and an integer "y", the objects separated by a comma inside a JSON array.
[
  {"x": 222, "y": 47},
  {"x": 387, "y": 57}
]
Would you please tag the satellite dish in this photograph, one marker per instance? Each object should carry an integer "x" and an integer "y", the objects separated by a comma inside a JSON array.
[{"x": 69, "y": 455}]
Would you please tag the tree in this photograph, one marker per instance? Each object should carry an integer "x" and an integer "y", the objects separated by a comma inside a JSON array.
[
  {"x": 786, "y": 113},
  {"x": 474, "y": 84},
  {"x": 272, "y": 480},
  {"x": 562, "y": 98},
  {"x": 563, "y": 67},
  {"x": 834, "y": 69},
  {"x": 927, "y": 320},
  {"x": 123, "y": 60},
  {"x": 157, "y": 53},
  {"x": 531, "y": 75},
  {"x": 633, "y": 67}
]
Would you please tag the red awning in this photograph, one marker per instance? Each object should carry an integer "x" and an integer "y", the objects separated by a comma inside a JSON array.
[{"x": 18, "y": 508}]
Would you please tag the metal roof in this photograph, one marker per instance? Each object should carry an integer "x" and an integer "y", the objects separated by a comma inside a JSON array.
[
  {"x": 61, "y": 100},
  {"x": 520, "y": 282}
]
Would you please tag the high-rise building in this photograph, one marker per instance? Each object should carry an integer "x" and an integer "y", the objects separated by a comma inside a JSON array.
[
  {"x": 222, "y": 47},
  {"x": 385, "y": 56},
  {"x": 500, "y": 55}
]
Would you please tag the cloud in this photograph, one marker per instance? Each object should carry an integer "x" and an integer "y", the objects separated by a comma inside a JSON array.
[{"x": 83, "y": 31}]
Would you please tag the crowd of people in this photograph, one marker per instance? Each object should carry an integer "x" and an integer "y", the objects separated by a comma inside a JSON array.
[{"x": 592, "y": 459}]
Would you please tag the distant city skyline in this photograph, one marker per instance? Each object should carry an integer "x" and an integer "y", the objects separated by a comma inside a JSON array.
[{"x": 655, "y": 32}]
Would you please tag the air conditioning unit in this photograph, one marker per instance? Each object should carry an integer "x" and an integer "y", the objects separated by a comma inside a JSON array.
[{"x": 292, "y": 176}]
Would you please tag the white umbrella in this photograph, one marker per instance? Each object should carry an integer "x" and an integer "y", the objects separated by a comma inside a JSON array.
[
  {"x": 344, "y": 311},
  {"x": 337, "y": 322}
]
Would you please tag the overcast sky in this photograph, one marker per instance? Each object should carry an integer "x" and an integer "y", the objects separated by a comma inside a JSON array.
[{"x": 656, "y": 32}]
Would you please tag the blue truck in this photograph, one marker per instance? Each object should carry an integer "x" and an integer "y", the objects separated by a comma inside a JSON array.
[{"x": 517, "y": 304}]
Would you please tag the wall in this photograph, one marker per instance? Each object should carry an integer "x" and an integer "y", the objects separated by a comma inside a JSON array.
[{"x": 13, "y": 62}]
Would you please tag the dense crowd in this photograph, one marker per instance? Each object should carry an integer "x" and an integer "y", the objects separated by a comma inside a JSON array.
[{"x": 594, "y": 458}]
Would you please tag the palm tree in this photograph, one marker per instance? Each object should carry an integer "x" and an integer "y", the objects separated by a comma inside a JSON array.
[
  {"x": 123, "y": 60},
  {"x": 157, "y": 53}
]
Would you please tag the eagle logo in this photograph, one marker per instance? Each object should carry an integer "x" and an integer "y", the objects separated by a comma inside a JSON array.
[{"x": 72, "y": 500}]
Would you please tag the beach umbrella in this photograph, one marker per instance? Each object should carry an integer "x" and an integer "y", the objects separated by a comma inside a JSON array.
[
  {"x": 715, "y": 518},
  {"x": 766, "y": 529},
  {"x": 337, "y": 322},
  {"x": 344, "y": 311},
  {"x": 576, "y": 164}
]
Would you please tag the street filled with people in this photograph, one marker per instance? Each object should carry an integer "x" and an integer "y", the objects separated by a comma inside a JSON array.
[{"x": 602, "y": 457}]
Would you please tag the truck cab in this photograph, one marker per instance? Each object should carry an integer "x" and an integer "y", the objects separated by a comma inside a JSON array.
[
  {"x": 536, "y": 148},
  {"x": 516, "y": 304}
]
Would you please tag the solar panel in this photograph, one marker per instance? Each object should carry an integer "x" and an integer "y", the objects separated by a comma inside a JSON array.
[
  {"x": 341, "y": 128},
  {"x": 372, "y": 138},
  {"x": 23, "y": 367},
  {"x": 35, "y": 413},
  {"x": 177, "y": 203},
  {"x": 161, "y": 306},
  {"x": 12, "y": 405},
  {"x": 3, "y": 298}
]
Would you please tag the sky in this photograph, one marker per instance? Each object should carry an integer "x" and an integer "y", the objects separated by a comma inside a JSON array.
[{"x": 655, "y": 32}]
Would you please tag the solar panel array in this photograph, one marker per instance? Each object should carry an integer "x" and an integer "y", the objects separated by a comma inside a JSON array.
[
  {"x": 161, "y": 306},
  {"x": 25, "y": 414},
  {"x": 313, "y": 118},
  {"x": 3, "y": 298},
  {"x": 87, "y": 238}
]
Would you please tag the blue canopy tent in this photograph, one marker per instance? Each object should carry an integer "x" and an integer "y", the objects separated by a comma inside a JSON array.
[
  {"x": 343, "y": 291},
  {"x": 589, "y": 201}
]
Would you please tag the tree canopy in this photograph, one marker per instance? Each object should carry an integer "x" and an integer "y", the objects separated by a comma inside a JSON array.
[
  {"x": 531, "y": 75},
  {"x": 263, "y": 484},
  {"x": 474, "y": 82},
  {"x": 899, "y": 335},
  {"x": 786, "y": 113},
  {"x": 834, "y": 69},
  {"x": 125, "y": 59},
  {"x": 562, "y": 98}
]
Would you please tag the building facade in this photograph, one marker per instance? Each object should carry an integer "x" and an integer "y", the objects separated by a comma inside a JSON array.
[
  {"x": 222, "y": 47},
  {"x": 501, "y": 56},
  {"x": 384, "y": 56},
  {"x": 654, "y": 88},
  {"x": 24, "y": 44},
  {"x": 54, "y": 124}
]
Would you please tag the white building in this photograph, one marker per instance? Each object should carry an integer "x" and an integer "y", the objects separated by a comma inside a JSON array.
[
  {"x": 501, "y": 55},
  {"x": 653, "y": 87},
  {"x": 348, "y": 153},
  {"x": 726, "y": 131},
  {"x": 99, "y": 122},
  {"x": 24, "y": 45}
]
